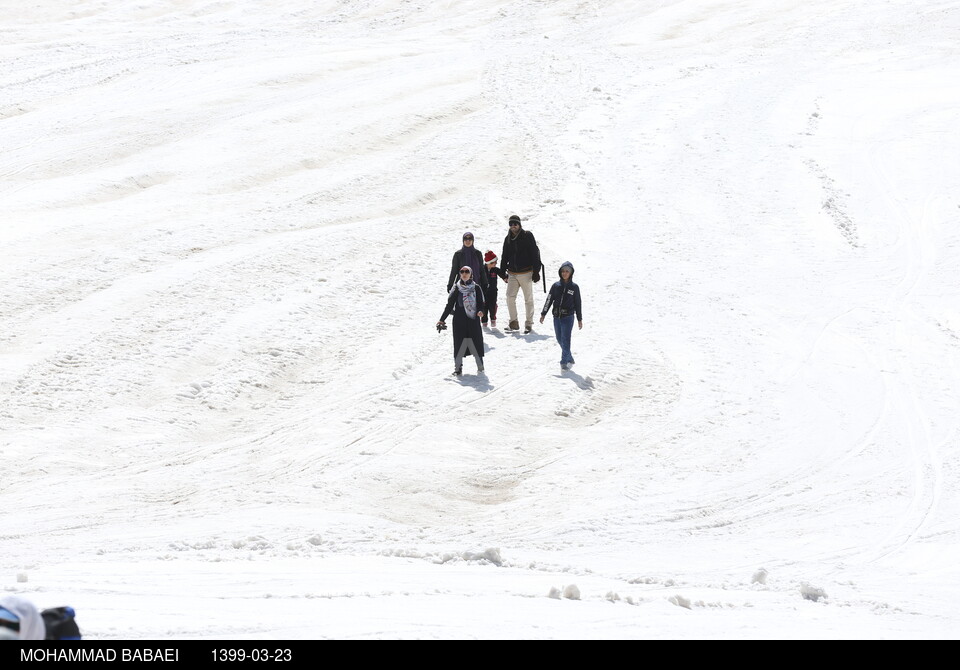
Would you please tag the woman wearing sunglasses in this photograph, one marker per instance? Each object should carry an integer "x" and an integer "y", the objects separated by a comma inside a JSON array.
[
  {"x": 466, "y": 303},
  {"x": 470, "y": 256}
]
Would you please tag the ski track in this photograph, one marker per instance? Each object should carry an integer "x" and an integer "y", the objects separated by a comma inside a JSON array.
[{"x": 216, "y": 362}]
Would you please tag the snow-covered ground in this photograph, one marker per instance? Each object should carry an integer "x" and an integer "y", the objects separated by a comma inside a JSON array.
[{"x": 225, "y": 411}]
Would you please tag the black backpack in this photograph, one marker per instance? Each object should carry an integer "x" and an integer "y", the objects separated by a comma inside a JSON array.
[{"x": 61, "y": 623}]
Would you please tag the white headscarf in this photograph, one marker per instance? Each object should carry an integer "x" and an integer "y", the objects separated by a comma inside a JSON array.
[
  {"x": 31, "y": 623},
  {"x": 469, "y": 293}
]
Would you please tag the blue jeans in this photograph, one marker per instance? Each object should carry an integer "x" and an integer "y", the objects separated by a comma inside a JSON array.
[{"x": 563, "y": 327}]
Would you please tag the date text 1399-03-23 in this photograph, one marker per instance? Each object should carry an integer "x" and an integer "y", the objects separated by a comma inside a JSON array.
[{"x": 255, "y": 654}]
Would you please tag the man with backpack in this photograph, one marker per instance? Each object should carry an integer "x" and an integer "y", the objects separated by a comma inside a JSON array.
[{"x": 521, "y": 260}]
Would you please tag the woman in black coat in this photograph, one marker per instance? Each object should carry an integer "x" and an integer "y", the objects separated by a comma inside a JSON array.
[
  {"x": 466, "y": 303},
  {"x": 470, "y": 256}
]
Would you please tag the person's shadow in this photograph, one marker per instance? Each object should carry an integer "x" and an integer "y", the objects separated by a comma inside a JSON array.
[
  {"x": 478, "y": 382},
  {"x": 533, "y": 337},
  {"x": 585, "y": 384}
]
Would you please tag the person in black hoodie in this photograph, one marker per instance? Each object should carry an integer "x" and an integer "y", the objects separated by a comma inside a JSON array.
[
  {"x": 466, "y": 303},
  {"x": 564, "y": 297},
  {"x": 521, "y": 260}
]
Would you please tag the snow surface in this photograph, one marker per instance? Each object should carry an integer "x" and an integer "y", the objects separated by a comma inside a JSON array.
[{"x": 225, "y": 411}]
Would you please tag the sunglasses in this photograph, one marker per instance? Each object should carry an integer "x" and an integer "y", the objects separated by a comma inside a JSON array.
[{"x": 464, "y": 272}]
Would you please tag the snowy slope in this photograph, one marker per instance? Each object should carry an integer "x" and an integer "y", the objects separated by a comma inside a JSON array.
[{"x": 225, "y": 411}]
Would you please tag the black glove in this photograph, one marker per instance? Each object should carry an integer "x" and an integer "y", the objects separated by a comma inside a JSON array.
[
  {"x": 441, "y": 325},
  {"x": 536, "y": 277}
]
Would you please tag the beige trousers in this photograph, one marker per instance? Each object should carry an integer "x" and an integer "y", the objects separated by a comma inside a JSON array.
[{"x": 515, "y": 282}]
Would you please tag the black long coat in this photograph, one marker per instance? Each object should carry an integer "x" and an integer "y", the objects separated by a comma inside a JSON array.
[{"x": 463, "y": 325}]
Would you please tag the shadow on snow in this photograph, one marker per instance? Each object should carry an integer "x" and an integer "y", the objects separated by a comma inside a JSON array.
[{"x": 583, "y": 383}]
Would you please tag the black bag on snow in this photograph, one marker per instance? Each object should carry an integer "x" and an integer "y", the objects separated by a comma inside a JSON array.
[{"x": 61, "y": 623}]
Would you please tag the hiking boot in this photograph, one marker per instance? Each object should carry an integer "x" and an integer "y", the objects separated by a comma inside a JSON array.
[
  {"x": 480, "y": 370},
  {"x": 514, "y": 325},
  {"x": 527, "y": 330},
  {"x": 457, "y": 372}
]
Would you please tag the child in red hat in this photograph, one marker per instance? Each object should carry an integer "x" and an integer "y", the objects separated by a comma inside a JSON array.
[{"x": 490, "y": 262}]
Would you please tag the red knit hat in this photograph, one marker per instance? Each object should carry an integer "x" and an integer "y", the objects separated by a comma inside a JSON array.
[{"x": 489, "y": 257}]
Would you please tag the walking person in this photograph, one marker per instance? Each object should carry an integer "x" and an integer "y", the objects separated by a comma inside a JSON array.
[
  {"x": 493, "y": 272},
  {"x": 521, "y": 260},
  {"x": 466, "y": 303},
  {"x": 470, "y": 256},
  {"x": 564, "y": 298}
]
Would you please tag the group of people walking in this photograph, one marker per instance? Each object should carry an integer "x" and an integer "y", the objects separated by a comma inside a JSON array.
[{"x": 472, "y": 294}]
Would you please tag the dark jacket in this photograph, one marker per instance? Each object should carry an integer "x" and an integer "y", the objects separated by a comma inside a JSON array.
[
  {"x": 521, "y": 254},
  {"x": 492, "y": 274},
  {"x": 459, "y": 261},
  {"x": 564, "y": 297}
]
